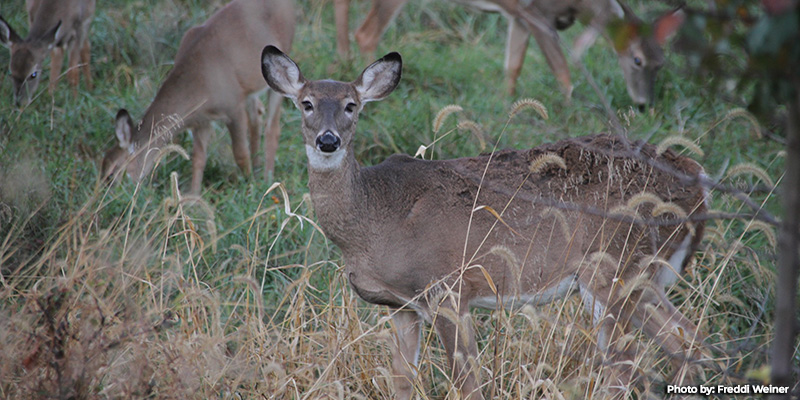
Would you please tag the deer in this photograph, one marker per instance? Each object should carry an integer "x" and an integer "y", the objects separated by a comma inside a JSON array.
[
  {"x": 431, "y": 238},
  {"x": 215, "y": 77},
  {"x": 639, "y": 52},
  {"x": 56, "y": 27}
]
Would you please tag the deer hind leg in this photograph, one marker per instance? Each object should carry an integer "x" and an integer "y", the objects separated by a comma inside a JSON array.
[
  {"x": 273, "y": 132},
  {"x": 456, "y": 334},
  {"x": 56, "y": 61},
  {"x": 378, "y": 19},
  {"x": 255, "y": 109},
  {"x": 405, "y": 352},
  {"x": 201, "y": 135}
]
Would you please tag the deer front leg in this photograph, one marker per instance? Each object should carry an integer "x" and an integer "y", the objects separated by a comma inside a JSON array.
[
  {"x": 405, "y": 353},
  {"x": 341, "y": 9},
  {"x": 516, "y": 45},
  {"x": 273, "y": 131},
  {"x": 56, "y": 60},
  {"x": 548, "y": 41},
  {"x": 73, "y": 67},
  {"x": 86, "y": 55},
  {"x": 255, "y": 109},
  {"x": 237, "y": 127},
  {"x": 456, "y": 334},
  {"x": 200, "y": 138}
]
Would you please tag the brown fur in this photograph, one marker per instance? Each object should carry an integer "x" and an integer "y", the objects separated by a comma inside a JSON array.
[
  {"x": 436, "y": 237},
  {"x": 215, "y": 77}
]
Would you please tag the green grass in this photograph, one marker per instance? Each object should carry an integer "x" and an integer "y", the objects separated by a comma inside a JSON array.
[{"x": 136, "y": 291}]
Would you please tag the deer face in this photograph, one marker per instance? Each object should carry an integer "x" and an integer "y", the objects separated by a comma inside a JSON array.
[
  {"x": 27, "y": 57},
  {"x": 330, "y": 108}
]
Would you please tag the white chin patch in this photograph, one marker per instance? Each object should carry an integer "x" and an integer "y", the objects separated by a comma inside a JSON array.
[{"x": 319, "y": 161}]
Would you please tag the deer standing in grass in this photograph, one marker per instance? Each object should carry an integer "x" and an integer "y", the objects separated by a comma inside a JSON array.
[
  {"x": 56, "y": 27},
  {"x": 639, "y": 52},
  {"x": 609, "y": 219},
  {"x": 215, "y": 77}
]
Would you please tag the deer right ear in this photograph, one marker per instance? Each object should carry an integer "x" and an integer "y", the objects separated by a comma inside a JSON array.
[
  {"x": 51, "y": 36},
  {"x": 124, "y": 129},
  {"x": 7, "y": 34},
  {"x": 280, "y": 72}
]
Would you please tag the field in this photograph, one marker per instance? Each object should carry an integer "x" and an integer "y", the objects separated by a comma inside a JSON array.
[{"x": 141, "y": 291}]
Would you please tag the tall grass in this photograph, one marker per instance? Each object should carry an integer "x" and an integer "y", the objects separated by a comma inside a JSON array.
[{"x": 139, "y": 291}]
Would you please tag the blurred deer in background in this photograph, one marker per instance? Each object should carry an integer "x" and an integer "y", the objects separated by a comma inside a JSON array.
[
  {"x": 600, "y": 216},
  {"x": 56, "y": 27},
  {"x": 215, "y": 77},
  {"x": 638, "y": 47}
]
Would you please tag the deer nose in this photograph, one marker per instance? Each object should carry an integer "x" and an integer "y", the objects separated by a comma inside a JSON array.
[{"x": 328, "y": 142}]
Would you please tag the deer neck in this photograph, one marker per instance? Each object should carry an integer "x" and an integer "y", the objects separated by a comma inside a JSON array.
[{"x": 340, "y": 202}]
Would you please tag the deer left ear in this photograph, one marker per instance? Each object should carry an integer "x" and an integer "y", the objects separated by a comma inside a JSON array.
[{"x": 667, "y": 25}]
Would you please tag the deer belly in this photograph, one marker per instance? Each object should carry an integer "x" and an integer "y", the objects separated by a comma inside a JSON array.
[{"x": 553, "y": 292}]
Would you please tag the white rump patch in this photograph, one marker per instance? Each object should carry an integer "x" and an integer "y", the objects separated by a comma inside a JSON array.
[{"x": 319, "y": 161}]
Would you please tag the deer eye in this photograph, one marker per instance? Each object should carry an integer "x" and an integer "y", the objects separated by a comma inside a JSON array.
[
  {"x": 34, "y": 74},
  {"x": 637, "y": 61},
  {"x": 307, "y": 106},
  {"x": 350, "y": 108}
]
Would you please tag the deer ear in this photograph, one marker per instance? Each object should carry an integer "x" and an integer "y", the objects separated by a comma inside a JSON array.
[
  {"x": 51, "y": 36},
  {"x": 667, "y": 25},
  {"x": 7, "y": 34},
  {"x": 280, "y": 72},
  {"x": 124, "y": 129},
  {"x": 380, "y": 78}
]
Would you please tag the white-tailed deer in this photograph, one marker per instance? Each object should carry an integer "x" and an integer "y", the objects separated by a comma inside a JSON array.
[
  {"x": 215, "y": 77},
  {"x": 57, "y": 27},
  {"x": 601, "y": 216},
  {"x": 638, "y": 48}
]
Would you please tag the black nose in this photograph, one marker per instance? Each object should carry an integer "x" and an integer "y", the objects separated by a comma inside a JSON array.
[
  {"x": 642, "y": 107},
  {"x": 328, "y": 142}
]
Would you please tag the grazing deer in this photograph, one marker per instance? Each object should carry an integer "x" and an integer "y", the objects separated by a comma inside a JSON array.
[
  {"x": 599, "y": 215},
  {"x": 215, "y": 77},
  {"x": 639, "y": 52},
  {"x": 57, "y": 27}
]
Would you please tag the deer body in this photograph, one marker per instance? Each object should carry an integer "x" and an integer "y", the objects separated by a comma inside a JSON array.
[
  {"x": 419, "y": 236},
  {"x": 640, "y": 57},
  {"x": 57, "y": 27},
  {"x": 215, "y": 77}
]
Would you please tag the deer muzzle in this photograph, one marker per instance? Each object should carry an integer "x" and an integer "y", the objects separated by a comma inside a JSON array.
[{"x": 328, "y": 142}]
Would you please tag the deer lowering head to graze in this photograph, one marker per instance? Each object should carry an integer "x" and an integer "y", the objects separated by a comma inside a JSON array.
[
  {"x": 639, "y": 48},
  {"x": 57, "y": 27},
  {"x": 429, "y": 239},
  {"x": 215, "y": 78}
]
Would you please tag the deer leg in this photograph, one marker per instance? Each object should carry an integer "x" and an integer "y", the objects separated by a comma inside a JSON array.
[
  {"x": 341, "y": 9},
  {"x": 673, "y": 332},
  {"x": 456, "y": 334},
  {"x": 200, "y": 138},
  {"x": 548, "y": 41},
  {"x": 380, "y": 16},
  {"x": 516, "y": 46},
  {"x": 86, "y": 55},
  {"x": 73, "y": 69},
  {"x": 237, "y": 126},
  {"x": 56, "y": 60},
  {"x": 405, "y": 353},
  {"x": 273, "y": 131},
  {"x": 255, "y": 109}
]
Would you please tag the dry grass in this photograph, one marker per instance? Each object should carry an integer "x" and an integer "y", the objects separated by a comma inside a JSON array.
[{"x": 121, "y": 312}]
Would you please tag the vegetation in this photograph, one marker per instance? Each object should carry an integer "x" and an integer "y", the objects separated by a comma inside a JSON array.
[{"x": 141, "y": 291}]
